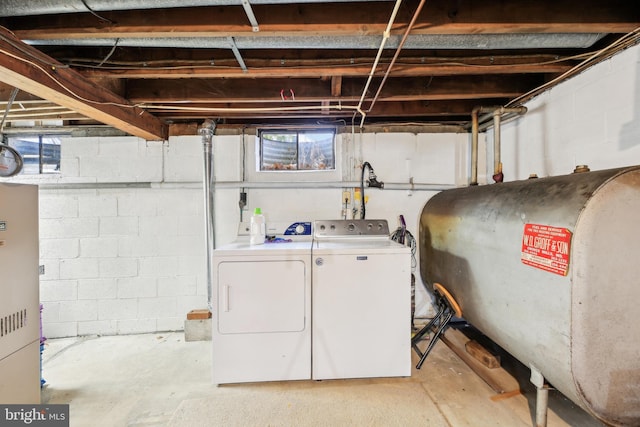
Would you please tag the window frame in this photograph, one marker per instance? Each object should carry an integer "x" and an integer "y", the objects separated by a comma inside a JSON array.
[
  {"x": 42, "y": 138},
  {"x": 297, "y": 131}
]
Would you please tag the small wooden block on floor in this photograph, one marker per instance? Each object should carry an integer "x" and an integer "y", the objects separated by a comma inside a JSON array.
[
  {"x": 498, "y": 379},
  {"x": 482, "y": 355},
  {"x": 199, "y": 314}
]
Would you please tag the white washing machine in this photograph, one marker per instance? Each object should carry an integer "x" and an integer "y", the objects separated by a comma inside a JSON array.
[
  {"x": 261, "y": 323},
  {"x": 278, "y": 316},
  {"x": 361, "y": 301}
]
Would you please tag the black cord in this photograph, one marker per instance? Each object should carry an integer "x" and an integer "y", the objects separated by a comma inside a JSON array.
[
  {"x": 409, "y": 240},
  {"x": 113, "y": 49},
  {"x": 95, "y": 14},
  {"x": 403, "y": 236}
]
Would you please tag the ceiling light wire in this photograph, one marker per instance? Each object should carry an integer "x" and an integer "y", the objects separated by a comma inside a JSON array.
[
  {"x": 59, "y": 83},
  {"x": 18, "y": 46}
]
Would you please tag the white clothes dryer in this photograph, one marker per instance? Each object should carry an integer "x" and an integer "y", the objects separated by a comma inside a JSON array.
[{"x": 261, "y": 305}]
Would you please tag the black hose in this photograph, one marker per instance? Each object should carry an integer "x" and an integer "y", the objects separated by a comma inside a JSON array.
[{"x": 362, "y": 203}]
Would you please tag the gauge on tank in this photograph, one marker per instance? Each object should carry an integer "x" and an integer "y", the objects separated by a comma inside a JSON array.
[{"x": 10, "y": 161}]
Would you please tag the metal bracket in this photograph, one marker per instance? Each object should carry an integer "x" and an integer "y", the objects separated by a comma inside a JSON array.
[
  {"x": 252, "y": 18},
  {"x": 236, "y": 53}
]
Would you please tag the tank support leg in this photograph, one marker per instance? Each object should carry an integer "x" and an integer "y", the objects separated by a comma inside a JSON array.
[
  {"x": 542, "y": 403},
  {"x": 542, "y": 396}
]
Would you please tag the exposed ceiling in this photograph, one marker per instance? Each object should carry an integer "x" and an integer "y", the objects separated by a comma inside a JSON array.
[{"x": 139, "y": 65}]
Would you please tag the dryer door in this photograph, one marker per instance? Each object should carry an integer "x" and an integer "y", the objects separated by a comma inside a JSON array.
[{"x": 261, "y": 296}]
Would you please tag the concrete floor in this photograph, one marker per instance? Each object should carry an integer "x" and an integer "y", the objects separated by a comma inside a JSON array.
[{"x": 161, "y": 380}]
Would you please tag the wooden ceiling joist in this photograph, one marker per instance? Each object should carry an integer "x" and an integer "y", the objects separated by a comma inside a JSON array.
[
  {"x": 268, "y": 91},
  {"x": 28, "y": 69},
  {"x": 438, "y": 17},
  {"x": 401, "y": 70}
]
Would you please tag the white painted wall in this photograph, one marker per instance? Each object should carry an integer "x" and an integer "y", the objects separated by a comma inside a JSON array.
[
  {"x": 438, "y": 159},
  {"x": 121, "y": 237},
  {"x": 122, "y": 233},
  {"x": 592, "y": 119}
]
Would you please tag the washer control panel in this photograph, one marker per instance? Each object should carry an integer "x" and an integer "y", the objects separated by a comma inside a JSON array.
[{"x": 340, "y": 228}]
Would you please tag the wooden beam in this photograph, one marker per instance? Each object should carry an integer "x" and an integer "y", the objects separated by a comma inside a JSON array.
[
  {"x": 438, "y": 17},
  {"x": 336, "y": 86},
  {"x": 498, "y": 379},
  {"x": 409, "y": 109},
  {"x": 28, "y": 69},
  {"x": 399, "y": 70},
  {"x": 316, "y": 90}
]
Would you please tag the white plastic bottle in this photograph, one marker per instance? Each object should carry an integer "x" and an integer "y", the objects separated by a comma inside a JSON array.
[{"x": 258, "y": 228}]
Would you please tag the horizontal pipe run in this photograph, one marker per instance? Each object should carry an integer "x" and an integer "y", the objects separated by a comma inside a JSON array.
[
  {"x": 504, "y": 119},
  {"x": 330, "y": 185},
  {"x": 485, "y": 115},
  {"x": 239, "y": 184}
]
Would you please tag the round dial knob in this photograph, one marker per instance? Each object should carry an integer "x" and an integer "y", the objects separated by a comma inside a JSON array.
[
  {"x": 351, "y": 227},
  {"x": 299, "y": 229}
]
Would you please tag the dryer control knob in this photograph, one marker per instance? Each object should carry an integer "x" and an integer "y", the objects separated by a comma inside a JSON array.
[{"x": 319, "y": 261}]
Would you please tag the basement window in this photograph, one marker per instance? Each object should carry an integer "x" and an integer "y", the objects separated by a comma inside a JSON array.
[
  {"x": 41, "y": 153},
  {"x": 297, "y": 150}
]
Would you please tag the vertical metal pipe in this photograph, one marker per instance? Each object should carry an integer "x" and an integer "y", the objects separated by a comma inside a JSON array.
[
  {"x": 207, "y": 130},
  {"x": 542, "y": 396},
  {"x": 498, "y": 113},
  {"x": 497, "y": 161},
  {"x": 474, "y": 146},
  {"x": 542, "y": 403}
]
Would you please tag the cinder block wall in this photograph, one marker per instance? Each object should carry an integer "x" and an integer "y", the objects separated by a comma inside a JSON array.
[
  {"x": 122, "y": 229},
  {"x": 591, "y": 119},
  {"x": 121, "y": 237}
]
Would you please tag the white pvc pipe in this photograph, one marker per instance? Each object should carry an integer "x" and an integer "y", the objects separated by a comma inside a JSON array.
[{"x": 385, "y": 37}]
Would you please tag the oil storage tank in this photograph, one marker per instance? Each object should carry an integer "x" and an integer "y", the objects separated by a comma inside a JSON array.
[{"x": 549, "y": 269}]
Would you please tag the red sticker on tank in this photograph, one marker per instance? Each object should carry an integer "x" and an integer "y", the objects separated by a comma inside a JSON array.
[{"x": 546, "y": 247}]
